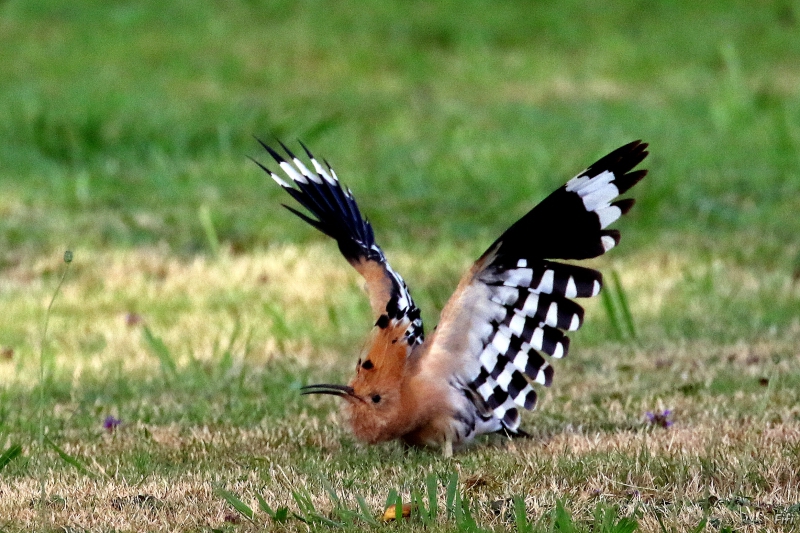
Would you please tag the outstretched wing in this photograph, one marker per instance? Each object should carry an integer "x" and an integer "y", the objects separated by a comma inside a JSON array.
[
  {"x": 515, "y": 303},
  {"x": 337, "y": 215}
]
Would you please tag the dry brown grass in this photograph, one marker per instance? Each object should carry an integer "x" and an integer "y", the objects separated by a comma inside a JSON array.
[
  {"x": 618, "y": 474},
  {"x": 733, "y": 451}
]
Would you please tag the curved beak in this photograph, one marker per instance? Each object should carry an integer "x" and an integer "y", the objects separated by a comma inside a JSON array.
[{"x": 343, "y": 391}]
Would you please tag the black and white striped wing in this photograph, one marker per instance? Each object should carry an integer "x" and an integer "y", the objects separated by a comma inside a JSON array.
[
  {"x": 338, "y": 216},
  {"x": 521, "y": 302}
]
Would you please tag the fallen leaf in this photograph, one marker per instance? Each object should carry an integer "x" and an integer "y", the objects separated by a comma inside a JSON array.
[{"x": 389, "y": 514}]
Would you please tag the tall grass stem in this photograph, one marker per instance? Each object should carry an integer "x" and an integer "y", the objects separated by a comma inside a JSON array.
[{"x": 42, "y": 492}]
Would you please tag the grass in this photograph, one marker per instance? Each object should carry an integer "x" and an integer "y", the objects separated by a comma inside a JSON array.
[{"x": 196, "y": 307}]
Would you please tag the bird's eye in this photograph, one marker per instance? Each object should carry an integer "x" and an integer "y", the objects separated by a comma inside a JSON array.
[
  {"x": 367, "y": 365},
  {"x": 376, "y": 398}
]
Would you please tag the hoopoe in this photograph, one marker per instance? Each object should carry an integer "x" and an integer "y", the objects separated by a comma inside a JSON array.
[{"x": 471, "y": 376}]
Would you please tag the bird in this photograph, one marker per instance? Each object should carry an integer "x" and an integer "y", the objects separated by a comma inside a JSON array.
[{"x": 511, "y": 308}]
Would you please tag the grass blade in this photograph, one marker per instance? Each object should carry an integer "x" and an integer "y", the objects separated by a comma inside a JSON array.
[
  {"x": 308, "y": 512},
  {"x": 204, "y": 213},
  {"x": 160, "y": 350},
  {"x": 242, "y": 508},
  {"x": 281, "y": 514},
  {"x": 611, "y": 312},
  {"x": 418, "y": 508},
  {"x": 9, "y": 455},
  {"x": 700, "y": 527},
  {"x": 464, "y": 519},
  {"x": 661, "y": 522},
  {"x": 366, "y": 512},
  {"x": 394, "y": 499},
  {"x": 72, "y": 461},
  {"x": 450, "y": 495},
  {"x": 331, "y": 493},
  {"x": 562, "y": 519},
  {"x": 432, "y": 483},
  {"x": 622, "y": 299},
  {"x": 264, "y": 506},
  {"x": 68, "y": 256},
  {"x": 303, "y": 505},
  {"x": 521, "y": 515}
]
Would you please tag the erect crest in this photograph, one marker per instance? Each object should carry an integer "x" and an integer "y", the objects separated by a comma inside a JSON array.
[{"x": 386, "y": 359}]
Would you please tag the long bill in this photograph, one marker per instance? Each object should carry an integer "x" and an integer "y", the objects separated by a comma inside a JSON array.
[{"x": 327, "y": 388}]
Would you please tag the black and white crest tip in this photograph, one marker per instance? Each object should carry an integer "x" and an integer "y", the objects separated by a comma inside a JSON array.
[
  {"x": 530, "y": 296},
  {"x": 338, "y": 216}
]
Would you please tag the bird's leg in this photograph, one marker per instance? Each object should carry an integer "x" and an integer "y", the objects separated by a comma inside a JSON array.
[{"x": 447, "y": 447}]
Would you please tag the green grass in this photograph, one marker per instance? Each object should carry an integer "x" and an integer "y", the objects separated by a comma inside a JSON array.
[{"x": 196, "y": 307}]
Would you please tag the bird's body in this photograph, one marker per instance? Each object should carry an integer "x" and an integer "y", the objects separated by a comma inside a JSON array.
[{"x": 514, "y": 303}]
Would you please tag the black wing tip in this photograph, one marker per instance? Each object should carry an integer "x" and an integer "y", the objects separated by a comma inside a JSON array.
[
  {"x": 624, "y": 205},
  {"x": 336, "y": 211},
  {"x": 571, "y": 228},
  {"x": 275, "y": 155},
  {"x": 258, "y": 139},
  {"x": 307, "y": 151},
  {"x": 286, "y": 149},
  {"x": 631, "y": 155},
  {"x": 548, "y": 376},
  {"x": 626, "y": 181},
  {"x": 613, "y": 233},
  {"x": 565, "y": 342},
  {"x": 260, "y": 165},
  {"x": 634, "y": 147},
  {"x": 315, "y": 223},
  {"x": 511, "y": 417},
  {"x": 623, "y": 159}
]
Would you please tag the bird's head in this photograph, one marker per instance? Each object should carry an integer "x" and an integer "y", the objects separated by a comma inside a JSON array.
[{"x": 374, "y": 402}]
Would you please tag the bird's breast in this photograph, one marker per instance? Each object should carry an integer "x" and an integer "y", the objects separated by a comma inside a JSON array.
[{"x": 449, "y": 415}]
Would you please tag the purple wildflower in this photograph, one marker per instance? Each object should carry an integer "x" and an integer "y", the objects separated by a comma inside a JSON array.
[
  {"x": 659, "y": 418},
  {"x": 111, "y": 423}
]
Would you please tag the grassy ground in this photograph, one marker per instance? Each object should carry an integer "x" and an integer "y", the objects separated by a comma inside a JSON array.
[{"x": 195, "y": 307}]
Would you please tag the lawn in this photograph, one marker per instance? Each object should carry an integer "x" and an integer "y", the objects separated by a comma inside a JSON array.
[{"x": 160, "y": 390}]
